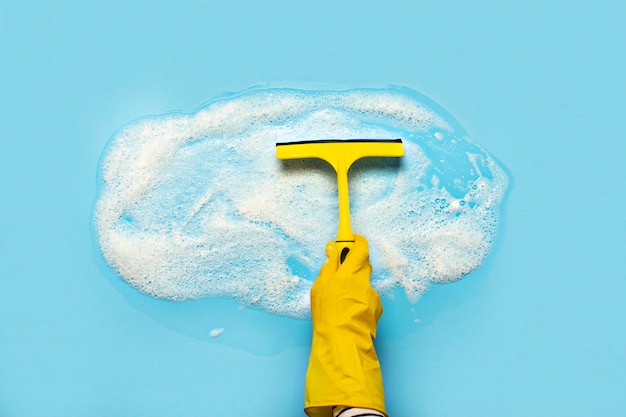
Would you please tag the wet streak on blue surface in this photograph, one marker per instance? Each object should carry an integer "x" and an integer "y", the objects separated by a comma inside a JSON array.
[{"x": 536, "y": 331}]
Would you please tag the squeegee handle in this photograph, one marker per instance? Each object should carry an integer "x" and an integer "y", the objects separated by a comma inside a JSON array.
[{"x": 345, "y": 238}]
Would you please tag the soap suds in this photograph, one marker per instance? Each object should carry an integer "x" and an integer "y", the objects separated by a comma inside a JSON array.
[
  {"x": 196, "y": 205},
  {"x": 216, "y": 332}
]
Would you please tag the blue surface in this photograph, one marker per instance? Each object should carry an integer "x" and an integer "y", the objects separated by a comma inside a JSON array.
[{"x": 537, "y": 331}]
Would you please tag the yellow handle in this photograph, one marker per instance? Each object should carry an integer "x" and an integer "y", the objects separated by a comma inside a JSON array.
[{"x": 345, "y": 237}]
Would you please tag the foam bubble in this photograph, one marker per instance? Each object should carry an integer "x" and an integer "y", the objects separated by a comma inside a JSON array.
[
  {"x": 216, "y": 332},
  {"x": 196, "y": 205}
]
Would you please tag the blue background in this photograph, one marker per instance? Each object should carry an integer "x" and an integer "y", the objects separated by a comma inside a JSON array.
[{"x": 539, "y": 330}]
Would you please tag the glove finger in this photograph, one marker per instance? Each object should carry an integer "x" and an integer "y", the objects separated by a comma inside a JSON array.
[
  {"x": 330, "y": 266},
  {"x": 331, "y": 253},
  {"x": 378, "y": 305}
]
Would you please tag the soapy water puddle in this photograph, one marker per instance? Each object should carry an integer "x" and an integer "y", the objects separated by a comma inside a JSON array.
[{"x": 196, "y": 206}]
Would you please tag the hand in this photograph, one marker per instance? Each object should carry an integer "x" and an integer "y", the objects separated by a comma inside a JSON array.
[{"x": 343, "y": 366}]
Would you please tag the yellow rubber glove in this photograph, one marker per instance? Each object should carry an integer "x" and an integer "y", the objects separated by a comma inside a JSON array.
[{"x": 343, "y": 366}]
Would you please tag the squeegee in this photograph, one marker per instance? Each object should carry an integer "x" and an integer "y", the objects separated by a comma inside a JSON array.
[{"x": 341, "y": 154}]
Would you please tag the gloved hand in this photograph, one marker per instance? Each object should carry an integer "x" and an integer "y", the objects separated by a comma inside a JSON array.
[{"x": 343, "y": 366}]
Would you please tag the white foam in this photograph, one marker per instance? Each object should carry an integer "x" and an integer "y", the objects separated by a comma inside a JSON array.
[
  {"x": 216, "y": 332},
  {"x": 196, "y": 205}
]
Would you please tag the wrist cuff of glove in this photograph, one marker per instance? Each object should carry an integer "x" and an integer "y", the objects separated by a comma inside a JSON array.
[{"x": 343, "y": 411}]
